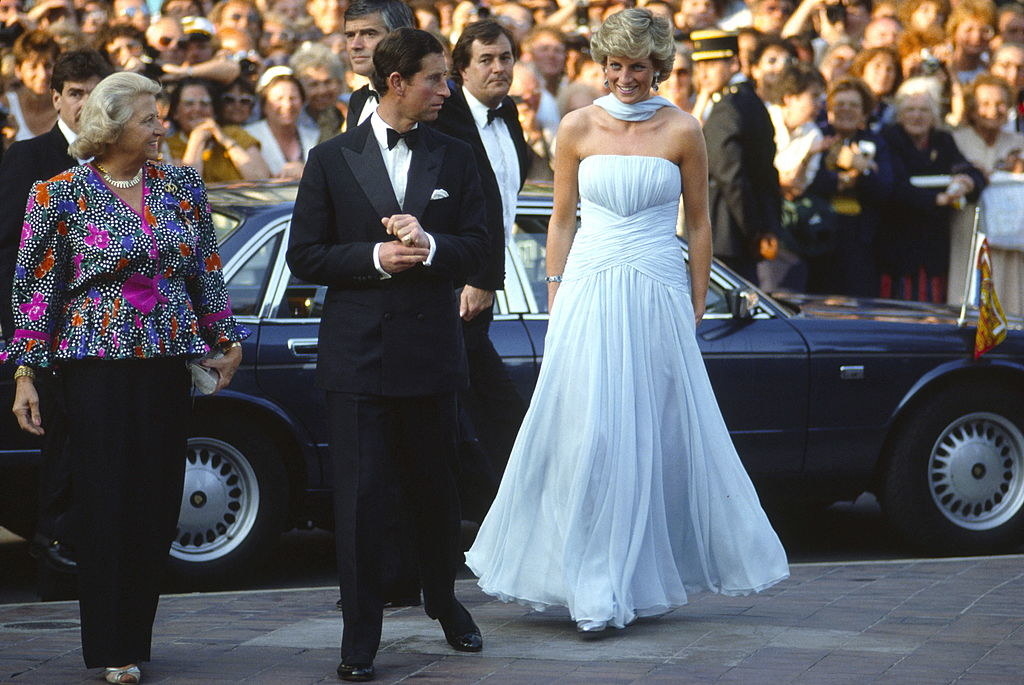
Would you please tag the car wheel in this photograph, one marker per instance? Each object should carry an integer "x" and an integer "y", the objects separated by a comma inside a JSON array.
[
  {"x": 233, "y": 505},
  {"x": 955, "y": 482}
]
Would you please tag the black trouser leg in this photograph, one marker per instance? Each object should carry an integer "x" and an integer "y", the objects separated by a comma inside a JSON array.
[
  {"x": 55, "y": 473},
  {"x": 372, "y": 439},
  {"x": 127, "y": 428},
  {"x": 494, "y": 405}
]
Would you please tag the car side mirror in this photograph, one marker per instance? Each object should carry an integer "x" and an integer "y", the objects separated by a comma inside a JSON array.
[{"x": 741, "y": 303}]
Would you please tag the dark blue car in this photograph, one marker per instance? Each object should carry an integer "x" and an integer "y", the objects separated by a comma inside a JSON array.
[{"x": 826, "y": 397}]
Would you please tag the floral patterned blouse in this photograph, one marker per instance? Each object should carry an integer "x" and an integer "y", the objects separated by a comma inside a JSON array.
[{"x": 94, "y": 278}]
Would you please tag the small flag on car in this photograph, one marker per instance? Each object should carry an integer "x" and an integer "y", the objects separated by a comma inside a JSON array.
[{"x": 991, "y": 319}]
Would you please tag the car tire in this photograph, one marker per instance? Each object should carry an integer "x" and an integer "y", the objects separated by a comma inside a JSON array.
[
  {"x": 233, "y": 506},
  {"x": 955, "y": 477}
]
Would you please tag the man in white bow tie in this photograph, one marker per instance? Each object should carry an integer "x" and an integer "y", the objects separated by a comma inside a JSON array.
[{"x": 390, "y": 217}]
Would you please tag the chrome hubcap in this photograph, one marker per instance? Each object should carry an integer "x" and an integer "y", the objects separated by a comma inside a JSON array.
[
  {"x": 219, "y": 504},
  {"x": 976, "y": 471}
]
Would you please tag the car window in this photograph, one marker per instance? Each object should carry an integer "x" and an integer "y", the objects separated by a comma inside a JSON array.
[
  {"x": 224, "y": 224},
  {"x": 301, "y": 300},
  {"x": 529, "y": 237},
  {"x": 715, "y": 302},
  {"x": 248, "y": 284}
]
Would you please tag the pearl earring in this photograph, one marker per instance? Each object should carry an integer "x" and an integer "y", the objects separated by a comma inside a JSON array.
[
  {"x": 606, "y": 83},
  {"x": 654, "y": 83}
]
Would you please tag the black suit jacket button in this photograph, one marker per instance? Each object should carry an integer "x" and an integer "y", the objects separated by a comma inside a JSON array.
[{"x": 387, "y": 316}]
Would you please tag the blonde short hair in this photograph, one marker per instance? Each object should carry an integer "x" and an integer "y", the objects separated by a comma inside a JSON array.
[
  {"x": 108, "y": 110},
  {"x": 636, "y": 34},
  {"x": 921, "y": 85}
]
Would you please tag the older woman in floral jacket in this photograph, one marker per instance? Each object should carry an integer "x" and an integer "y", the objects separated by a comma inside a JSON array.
[{"x": 117, "y": 287}]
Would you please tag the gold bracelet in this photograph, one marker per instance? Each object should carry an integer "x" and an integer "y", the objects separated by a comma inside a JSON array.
[
  {"x": 230, "y": 346},
  {"x": 24, "y": 372}
]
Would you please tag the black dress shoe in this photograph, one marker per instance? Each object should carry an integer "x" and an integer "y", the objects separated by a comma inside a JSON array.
[
  {"x": 355, "y": 672},
  {"x": 460, "y": 631},
  {"x": 471, "y": 641},
  {"x": 53, "y": 553}
]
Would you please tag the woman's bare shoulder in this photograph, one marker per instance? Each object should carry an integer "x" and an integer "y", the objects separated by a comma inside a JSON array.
[
  {"x": 678, "y": 119},
  {"x": 578, "y": 120}
]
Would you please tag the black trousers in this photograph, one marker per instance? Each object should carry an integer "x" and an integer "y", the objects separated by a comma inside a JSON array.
[
  {"x": 127, "y": 429},
  {"x": 55, "y": 471},
  {"x": 492, "y": 401},
  {"x": 374, "y": 441}
]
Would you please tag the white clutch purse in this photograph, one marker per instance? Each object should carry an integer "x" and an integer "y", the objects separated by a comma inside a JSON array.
[{"x": 204, "y": 379}]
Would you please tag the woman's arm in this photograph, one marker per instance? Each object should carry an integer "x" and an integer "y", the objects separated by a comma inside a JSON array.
[
  {"x": 221, "y": 69},
  {"x": 39, "y": 273},
  {"x": 800, "y": 20},
  {"x": 562, "y": 227},
  {"x": 196, "y": 144},
  {"x": 249, "y": 162},
  {"x": 26, "y": 405},
  {"x": 693, "y": 167},
  {"x": 206, "y": 287}
]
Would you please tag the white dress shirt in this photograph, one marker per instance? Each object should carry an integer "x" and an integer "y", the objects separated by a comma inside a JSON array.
[
  {"x": 369, "y": 107},
  {"x": 70, "y": 136},
  {"x": 501, "y": 153},
  {"x": 396, "y": 161}
]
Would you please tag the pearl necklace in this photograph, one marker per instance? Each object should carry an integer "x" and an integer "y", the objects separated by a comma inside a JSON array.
[{"x": 121, "y": 185}]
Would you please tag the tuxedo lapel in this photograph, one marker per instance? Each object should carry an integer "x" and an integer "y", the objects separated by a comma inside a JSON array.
[
  {"x": 462, "y": 117},
  {"x": 423, "y": 172},
  {"x": 58, "y": 147},
  {"x": 367, "y": 166}
]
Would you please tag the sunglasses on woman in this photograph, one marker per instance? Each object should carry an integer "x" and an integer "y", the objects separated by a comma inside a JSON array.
[{"x": 229, "y": 99}]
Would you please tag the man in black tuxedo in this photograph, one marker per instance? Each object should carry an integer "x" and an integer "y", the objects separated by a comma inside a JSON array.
[
  {"x": 480, "y": 113},
  {"x": 75, "y": 74},
  {"x": 744, "y": 196},
  {"x": 366, "y": 23},
  {"x": 390, "y": 216}
]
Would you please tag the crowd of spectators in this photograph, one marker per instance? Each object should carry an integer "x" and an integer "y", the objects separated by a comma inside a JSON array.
[{"x": 864, "y": 95}]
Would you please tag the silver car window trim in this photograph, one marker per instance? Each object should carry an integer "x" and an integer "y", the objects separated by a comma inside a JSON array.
[
  {"x": 250, "y": 247},
  {"x": 282, "y": 274},
  {"x": 253, "y": 245}
]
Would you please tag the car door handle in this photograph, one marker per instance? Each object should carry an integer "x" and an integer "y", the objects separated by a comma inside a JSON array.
[{"x": 303, "y": 348}]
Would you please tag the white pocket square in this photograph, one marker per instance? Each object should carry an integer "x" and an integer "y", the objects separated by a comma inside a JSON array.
[{"x": 439, "y": 194}]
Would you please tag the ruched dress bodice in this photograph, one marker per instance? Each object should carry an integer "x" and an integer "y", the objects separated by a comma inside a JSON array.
[
  {"x": 623, "y": 491},
  {"x": 625, "y": 223}
]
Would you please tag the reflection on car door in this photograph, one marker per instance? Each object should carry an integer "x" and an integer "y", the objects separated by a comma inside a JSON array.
[
  {"x": 759, "y": 371},
  {"x": 289, "y": 322}
]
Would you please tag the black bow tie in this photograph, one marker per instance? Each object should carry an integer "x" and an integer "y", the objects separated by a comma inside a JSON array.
[
  {"x": 499, "y": 112},
  {"x": 410, "y": 137}
]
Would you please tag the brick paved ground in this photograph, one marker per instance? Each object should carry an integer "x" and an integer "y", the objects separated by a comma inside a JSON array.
[{"x": 927, "y": 622}]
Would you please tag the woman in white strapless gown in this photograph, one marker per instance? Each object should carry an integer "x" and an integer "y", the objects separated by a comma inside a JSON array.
[{"x": 624, "y": 492}]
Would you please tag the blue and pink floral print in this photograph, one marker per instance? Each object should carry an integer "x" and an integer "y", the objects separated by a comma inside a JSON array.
[{"x": 97, "y": 278}]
